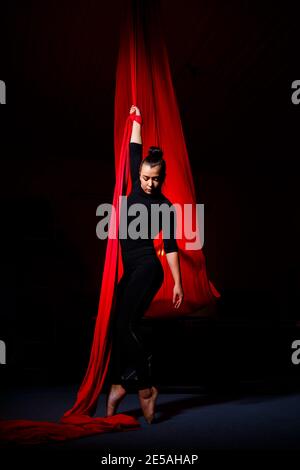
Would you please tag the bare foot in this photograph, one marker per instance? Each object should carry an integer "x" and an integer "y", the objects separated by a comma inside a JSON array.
[
  {"x": 147, "y": 398},
  {"x": 116, "y": 394}
]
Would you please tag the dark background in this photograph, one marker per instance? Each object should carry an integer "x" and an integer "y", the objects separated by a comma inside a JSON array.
[{"x": 232, "y": 64}]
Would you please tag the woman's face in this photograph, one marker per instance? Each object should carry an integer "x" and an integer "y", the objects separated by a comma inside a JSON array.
[{"x": 150, "y": 178}]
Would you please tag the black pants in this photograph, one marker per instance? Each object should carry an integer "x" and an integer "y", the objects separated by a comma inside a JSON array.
[{"x": 142, "y": 278}]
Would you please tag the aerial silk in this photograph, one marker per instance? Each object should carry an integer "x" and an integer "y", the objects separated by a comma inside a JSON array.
[{"x": 143, "y": 78}]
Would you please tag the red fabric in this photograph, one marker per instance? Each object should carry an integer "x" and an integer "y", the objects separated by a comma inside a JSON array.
[
  {"x": 144, "y": 79},
  {"x": 28, "y": 432},
  {"x": 135, "y": 117}
]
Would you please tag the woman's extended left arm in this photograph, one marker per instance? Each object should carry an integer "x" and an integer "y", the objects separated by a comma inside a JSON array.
[{"x": 173, "y": 261}]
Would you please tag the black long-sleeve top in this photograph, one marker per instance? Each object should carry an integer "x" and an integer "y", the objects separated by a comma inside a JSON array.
[{"x": 138, "y": 195}]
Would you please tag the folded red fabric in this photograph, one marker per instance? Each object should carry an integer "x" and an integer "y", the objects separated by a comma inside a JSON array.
[
  {"x": 27, "y": 432},
  {"x": 135, "y": 117}
]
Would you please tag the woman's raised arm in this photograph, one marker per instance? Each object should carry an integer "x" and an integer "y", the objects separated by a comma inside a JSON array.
[{"x": 136, "y": 136}]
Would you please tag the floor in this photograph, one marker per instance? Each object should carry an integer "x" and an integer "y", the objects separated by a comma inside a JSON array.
[{"x": 186, "y": 422}]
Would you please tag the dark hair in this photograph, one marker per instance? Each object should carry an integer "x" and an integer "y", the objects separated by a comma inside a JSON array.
[{"x": 155, "y": 158}]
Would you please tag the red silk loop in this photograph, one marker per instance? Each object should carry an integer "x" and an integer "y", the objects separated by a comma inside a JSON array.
[{"x": 136, "y": 117}]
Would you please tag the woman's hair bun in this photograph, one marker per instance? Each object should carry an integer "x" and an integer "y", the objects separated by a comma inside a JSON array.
[
  {"x": 155, "y": 158},
  {"x": 155, "y": 153}
]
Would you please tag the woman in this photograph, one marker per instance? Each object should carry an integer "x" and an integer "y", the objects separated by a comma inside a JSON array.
[{"x": 142, "y": 278}]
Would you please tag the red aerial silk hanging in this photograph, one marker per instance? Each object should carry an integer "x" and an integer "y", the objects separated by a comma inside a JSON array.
[{"x": 143, "y": 78}]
